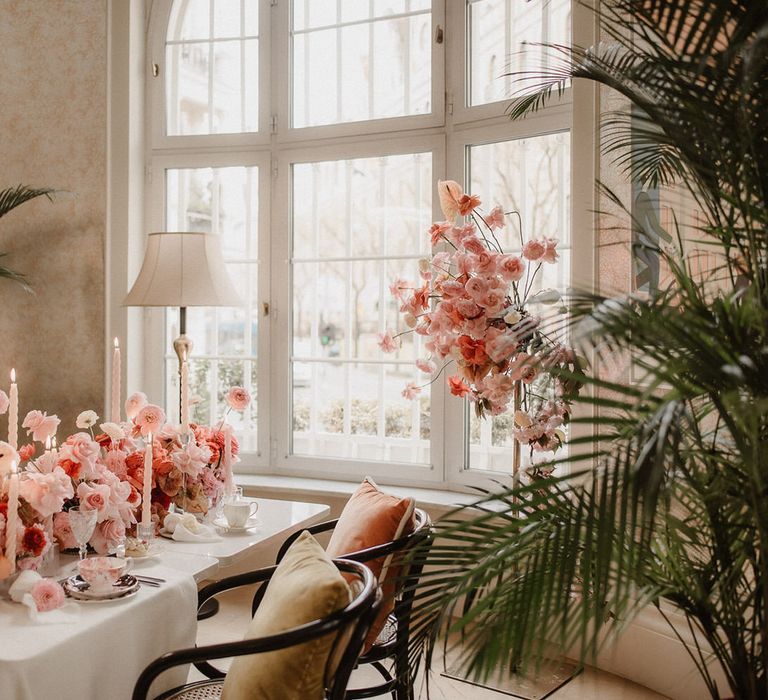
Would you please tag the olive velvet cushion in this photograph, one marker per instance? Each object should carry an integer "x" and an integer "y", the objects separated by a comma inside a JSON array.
[
  {"x": 372, "y": 517},
  {"x": 306, "y": 586}
]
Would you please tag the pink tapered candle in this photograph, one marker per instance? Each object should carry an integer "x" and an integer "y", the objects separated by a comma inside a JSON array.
[
  {"x": 229, "y": 481},
  {"x": 13, "y": 413},
  {"x": 116, "y": 370},
  {"x": 146, "y": 500},
  {"x": 184, "y": 418},
  {"x": 13, "y": 518}
]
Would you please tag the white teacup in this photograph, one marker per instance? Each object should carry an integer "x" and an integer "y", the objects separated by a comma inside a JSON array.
[
  {"x": 238, "y": 512},
  {"x": 101, "y": 573}
]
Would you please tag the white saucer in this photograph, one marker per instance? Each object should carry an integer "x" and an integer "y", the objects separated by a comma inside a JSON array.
[
  {"x": 155, "y": 550},
  {"x": 221, "y": 524},
  {"x": 75, "y": 587}
]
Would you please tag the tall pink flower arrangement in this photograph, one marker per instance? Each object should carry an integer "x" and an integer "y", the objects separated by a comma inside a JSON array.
[{"x": 476, "y": 307}]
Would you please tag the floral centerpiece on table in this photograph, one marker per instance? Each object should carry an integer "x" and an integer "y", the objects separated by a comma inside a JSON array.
[
  {"x": 80, "y": 473},
  {"x": 476, "y": 307}
]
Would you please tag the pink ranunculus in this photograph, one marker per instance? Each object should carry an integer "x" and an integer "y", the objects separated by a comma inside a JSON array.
[
  {"x": 452, "y": 289},
  {"x": 115, "y": 461},
  {"x": 485, "y": 263},
  {"x": 411, "y": 391},
  {"x": 62, "y": 531},
  {"x": 524, "y": 367},
  {"x": 534, "y": 250},
  {"x": 134, "y": 403},
  {"x": 94, "y": 497},
  {"x": 46, "y": 492},
  {"x": 472, "y": 244},
  {"x": 40, "y": 425},
  {"x": 477, "y": 288},
  {"x": 150, "y": 419},
  {"x": 4, "y": 402},
  {"x": 458, "y": 234},
  {"x": 495, "y": 218},
  {"x": 550, "y": 250},
  {"x": 467, "y": 308},
  {"x": 449, "y": 192},
  {"x": 502, "y": 347},
  {"x": 441, "y": 261},
  {"x": 510, "y": 267},
  {"x": 388, "y": 342},
  {"x": 47, "y": 594},
  {"x": 492, "y": 301},
  {"x": 237, "y": 398},
  {"x": 107, "y": 536}
]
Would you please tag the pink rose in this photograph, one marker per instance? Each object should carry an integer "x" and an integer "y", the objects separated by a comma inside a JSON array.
[
  {"x": 388, "y": 342},
  {"x": 510, "y": 267},
  {"x": 4, "y": 402},
  {"x": 94, "y": 497},
  {"x": 81, "y": 449},
  {"x": 134, "y": 403},
  {"x": 534, "y": 250},
  {"x": 237, "y": 398},
  {"x": 62, "y": 531},
  {"x": 150, "y": 419},
  {"x": 115, "y": 460},
  {"x": 107, "y": 536},
  {"x": 485, "y": 263},
  {"x": 40, "y": 425},
  {"x": 46, "y": 493},
  {"x": 47, "y": 594}
]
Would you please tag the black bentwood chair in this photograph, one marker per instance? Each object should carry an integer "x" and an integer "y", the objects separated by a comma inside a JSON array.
[
  {"x": 392, "y": 643},
  {"x": 350, "y": 624}
]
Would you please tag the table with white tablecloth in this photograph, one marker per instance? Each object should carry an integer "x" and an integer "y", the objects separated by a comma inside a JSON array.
[
  {"x": 101, "y": 652},
  {"x": 99, "y": 655}
]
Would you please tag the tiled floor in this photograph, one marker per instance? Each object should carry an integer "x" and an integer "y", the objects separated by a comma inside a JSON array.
[{"x": 229, "y": 624}]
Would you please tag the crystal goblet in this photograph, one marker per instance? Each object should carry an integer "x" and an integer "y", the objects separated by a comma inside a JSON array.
[{"x": 83, "y": 523}]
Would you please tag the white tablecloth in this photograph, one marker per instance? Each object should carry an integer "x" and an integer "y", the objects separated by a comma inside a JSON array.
[{"x": 100, "y": 656}]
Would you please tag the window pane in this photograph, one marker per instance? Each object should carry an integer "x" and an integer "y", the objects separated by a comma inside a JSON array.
[
  {"x": 348, "y": 218},
  {"x": 212, "y": 68},
  {"x": 223, "y": 201},
  {"x": 531, "y": 176},
  {"x": 362, "y": 65},
  {"x": 503, "y": 38}
]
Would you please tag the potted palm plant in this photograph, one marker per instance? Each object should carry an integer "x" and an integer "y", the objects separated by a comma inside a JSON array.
[
  {"x": 665, "y": 505},
  {"x": 10, "y": 198}
]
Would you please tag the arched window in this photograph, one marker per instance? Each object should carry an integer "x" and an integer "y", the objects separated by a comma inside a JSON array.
[{"x": 309, "y": 134}]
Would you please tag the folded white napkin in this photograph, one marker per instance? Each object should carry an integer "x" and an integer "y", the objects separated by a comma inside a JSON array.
[
  {"x": 20, "y": 593},
  {"x": 186, "y": 528}
]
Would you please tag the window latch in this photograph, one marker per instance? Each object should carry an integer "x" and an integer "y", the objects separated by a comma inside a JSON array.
[
  {"x": 438, "y": 34},
  {"x": 265, "y": 308},
  {"x": 155, "y": 70}
]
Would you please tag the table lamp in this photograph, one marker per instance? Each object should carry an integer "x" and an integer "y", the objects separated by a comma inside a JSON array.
[{"x": 183, "y": 269}]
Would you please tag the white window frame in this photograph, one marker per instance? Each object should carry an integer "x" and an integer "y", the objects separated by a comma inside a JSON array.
[{"x": 447, "y": 132}]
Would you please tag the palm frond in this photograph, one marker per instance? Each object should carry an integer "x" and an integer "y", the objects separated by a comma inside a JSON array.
[{"x": 12, "y": 197}]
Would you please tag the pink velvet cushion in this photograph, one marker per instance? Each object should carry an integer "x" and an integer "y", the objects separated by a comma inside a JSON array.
[{"x": 372, "y": 517}]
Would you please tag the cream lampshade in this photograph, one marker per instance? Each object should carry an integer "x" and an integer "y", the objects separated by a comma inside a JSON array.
[{"x": 183, "y": 269}]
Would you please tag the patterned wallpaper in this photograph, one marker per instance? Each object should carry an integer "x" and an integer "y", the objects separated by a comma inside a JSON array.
[{"x": 53, "y": 63}]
